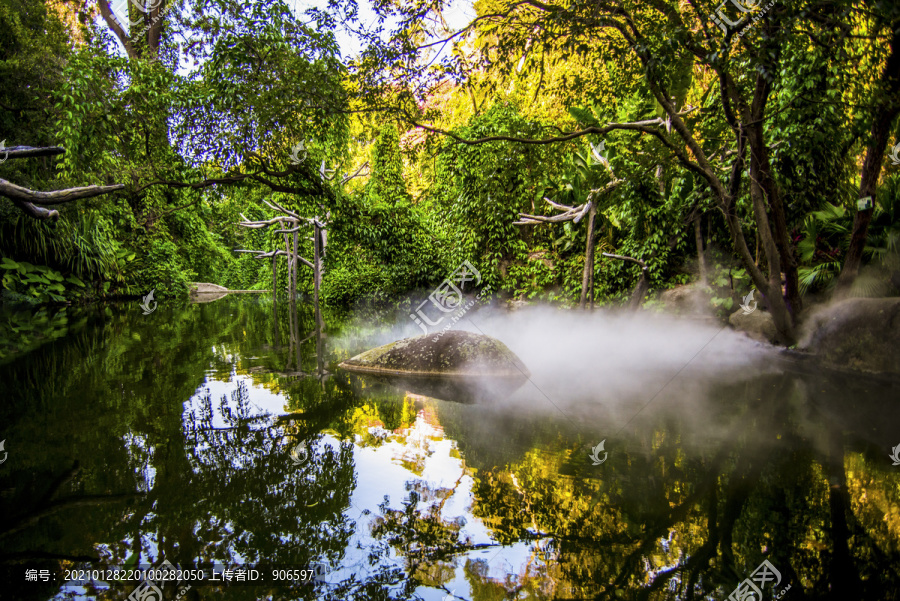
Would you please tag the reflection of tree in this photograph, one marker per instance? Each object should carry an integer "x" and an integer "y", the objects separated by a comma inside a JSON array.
[
  {"x": 685, "y": 528},
  {"x": 420, "y": 534},
  {"x": 672, "y": 515},
  {"x": 51, "y": 503},
  {"x": 219, "y": 484}
]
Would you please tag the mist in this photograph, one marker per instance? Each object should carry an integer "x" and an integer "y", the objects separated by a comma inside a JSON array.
[{"x": 608, "y": 365}]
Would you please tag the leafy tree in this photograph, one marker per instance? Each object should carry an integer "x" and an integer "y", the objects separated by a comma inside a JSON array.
[
  {"x": 386, "y": 186},
  {"x": 672, "y": 54}
]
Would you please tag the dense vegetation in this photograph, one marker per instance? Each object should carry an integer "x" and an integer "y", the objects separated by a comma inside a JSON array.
[{"x": 750, "y": 148}]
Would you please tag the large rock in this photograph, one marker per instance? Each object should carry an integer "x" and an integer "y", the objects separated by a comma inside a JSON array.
[
  {"x": 685, "y": 300},
  {"x": 857, "y": 333},
  {"x": 453, "y": 354},
  {"x": 758, "y": 325},
  {"x": 202, "y": 292},
  {"x": 455, "y": 366}
]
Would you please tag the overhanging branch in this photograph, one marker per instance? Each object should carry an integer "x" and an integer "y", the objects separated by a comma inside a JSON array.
[
  {"x": 31, "y": 201},
  {"x": 27, "y": 152},
  {"x": 12, "y": 191},
  {"x": 642, "y": 126}
]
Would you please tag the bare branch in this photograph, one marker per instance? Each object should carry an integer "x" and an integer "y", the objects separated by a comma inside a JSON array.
[
  {"x": 260, "y": 224},
  {"x": 587, "y": 207},
  {"x": 14, "y": 192},
  {"x": 623, "y": 258},
  {"x": 356, "y": 173},
  {"x": 36, "y": 212},
  {"x": 278, "y": 207},
  {"x": 261, "y": 254},
  {"x": 561, "y": 207},
  {"x": 574, "y": 214},
  {"x": 27, "y": 152}
]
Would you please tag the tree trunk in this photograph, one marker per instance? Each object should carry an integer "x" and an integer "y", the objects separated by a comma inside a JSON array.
[
  {"x": 275, "y": 295},
  {"x": 759, "y": 160},
  {"x": 142, "y": 38},
  {"x": 640, "y": 291},
  {"x": 881, "y": 128},
  {"x": 643, "y": 285},
  {"x": 587, "y": 277},
  {"x": 701, "y": 259},
  {"x": 772, "y": 291}
]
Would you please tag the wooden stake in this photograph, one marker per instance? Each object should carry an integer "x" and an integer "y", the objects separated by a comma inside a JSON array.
[
  {"x": 587, "y": 277},
  {"x": 294, "y": 270},
  {"x": 317, "y": 271},
  {"x": 274, "y": 279},
  {"x": 287, "y": 248}
]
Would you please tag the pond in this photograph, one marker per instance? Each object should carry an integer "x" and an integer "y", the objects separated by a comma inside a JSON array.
[{"x": 645, "y": 458}]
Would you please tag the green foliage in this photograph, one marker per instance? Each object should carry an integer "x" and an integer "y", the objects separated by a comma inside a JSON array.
[
  {"x": 350, "y": 281},
  {"x": 36, "y": 282},
  {"x": 25, "y": 329},
  {"x": 82, "y": 242},
  {"x": 268, "y": 79},
  {"x": 727, "y": 285},
  {"x": 33, "y": 48},
  {"x": 386, "y": 188},
  {"x": 379, "y": 242},
  {"x": 825, "y": 236},
  {"x": 534, "y": 277},
  {"x": 480, "y": 190}
]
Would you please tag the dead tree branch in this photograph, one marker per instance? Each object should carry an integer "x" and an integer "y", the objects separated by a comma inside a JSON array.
[
  {"x": 30, "y": 201},
  {"x": 28, "y": 152}
]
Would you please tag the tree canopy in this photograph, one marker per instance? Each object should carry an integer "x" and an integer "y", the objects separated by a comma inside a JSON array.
[{"x": 755, "y": 140}]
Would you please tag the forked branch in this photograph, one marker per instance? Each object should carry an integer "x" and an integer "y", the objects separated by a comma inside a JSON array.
[{"x": 30, "y": 201}]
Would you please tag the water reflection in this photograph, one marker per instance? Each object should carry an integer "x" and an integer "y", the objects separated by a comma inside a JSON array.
[{"x": 133, "y": 438}]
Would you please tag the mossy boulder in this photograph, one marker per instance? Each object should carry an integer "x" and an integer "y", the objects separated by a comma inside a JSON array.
[
  {"x": 758, "y": 325},
  {"x": 862, "y": 334},
  {"x": 456, "y": 365},
  {"x": 688, "y": 299}
]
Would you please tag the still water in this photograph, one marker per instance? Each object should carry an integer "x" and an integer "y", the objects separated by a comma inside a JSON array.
[{"x": 209, "y": 437}]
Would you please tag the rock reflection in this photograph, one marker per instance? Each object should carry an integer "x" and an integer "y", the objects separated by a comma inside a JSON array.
[{"x": 167, "y": 442}]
